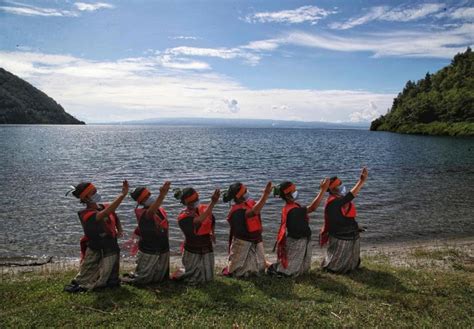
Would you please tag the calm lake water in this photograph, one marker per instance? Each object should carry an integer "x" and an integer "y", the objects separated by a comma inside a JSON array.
[{"x": 418, "y": 188}]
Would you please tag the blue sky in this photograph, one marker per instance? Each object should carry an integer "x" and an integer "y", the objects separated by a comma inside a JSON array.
[{"x": 334, "y": 61}]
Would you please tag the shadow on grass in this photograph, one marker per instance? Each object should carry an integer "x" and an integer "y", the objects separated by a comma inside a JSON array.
[
  {"x": 109, "y": 300},
  {"x": 378, "y": 279}
]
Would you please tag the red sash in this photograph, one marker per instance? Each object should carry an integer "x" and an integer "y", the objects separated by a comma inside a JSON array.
[
  {"x": 348, "y": 210},
  {"x": 110, "y": 226},
  {"x": 281, "y": 238},
  {"x": 253, "y": 224}
]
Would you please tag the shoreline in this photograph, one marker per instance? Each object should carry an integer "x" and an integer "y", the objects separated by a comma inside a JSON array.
[{"x": 395, "y": 253}]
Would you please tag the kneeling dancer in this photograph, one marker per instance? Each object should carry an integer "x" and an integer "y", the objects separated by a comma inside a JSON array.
[
  {"x": 340, "y": 228},
  {"x": 100, "y": 265},
  {"x": 294, "y": 247},
  {"x": 246, "y": 252},
  {"x": 197, "y": 223},
  {"x": 153, "y": 260}
]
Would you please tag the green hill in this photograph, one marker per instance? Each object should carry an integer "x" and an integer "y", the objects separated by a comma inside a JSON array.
[
  {"x": 440, "y": 104},
  {"x": 21, "y": 103}
]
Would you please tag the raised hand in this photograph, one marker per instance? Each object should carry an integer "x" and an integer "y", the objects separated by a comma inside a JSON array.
[
  {"x": 165, "y": 188},
  {"x": 324, "y": 184},
  {"x": 125, "y": 187},
  {"x": 215, "y": 196},
  {"x": 364, "y": 174},
  {"x": 268, "y": 188}
]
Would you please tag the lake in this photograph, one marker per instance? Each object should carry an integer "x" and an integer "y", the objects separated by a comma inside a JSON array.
[{"x": 419, "y": 187}]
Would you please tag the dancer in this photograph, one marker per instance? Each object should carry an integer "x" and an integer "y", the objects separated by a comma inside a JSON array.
[
  {"x": 340, "y": 227},
  {"x": 153, "y": 261},
  {"x": 294, "y": 236},
  {"x": 100, "y": 266},
  {"x": 246, "y": 252},
  {"x": 197, "y": 223}
]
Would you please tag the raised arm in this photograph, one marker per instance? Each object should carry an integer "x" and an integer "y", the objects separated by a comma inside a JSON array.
[
  {"x": 323, "y": 186},
  {"x": 363, "y": 177},
  {"x": 113, "y": 206},
  {"x": 155, "y": 205},
  {"x": 214, "y": 198},
  {"x": 259, "y": 205}
]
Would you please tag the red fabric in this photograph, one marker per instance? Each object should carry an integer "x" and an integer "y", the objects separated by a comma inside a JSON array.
[
  {"x": 110, "y": 226},
  {"x": 83, "y": 244},
  {"x": 206, "y": 227},
  {"x": 253, "y": 224},
  {"x": 281, "y": 238},
  {"x": 163, "y": 223},
  {"x": 348, "y": 210}
]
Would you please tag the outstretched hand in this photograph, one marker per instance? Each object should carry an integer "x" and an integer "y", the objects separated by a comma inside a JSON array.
[
  {"x": 165, "y": 188},
  {"x": 364, "y": 174},
  {"x": 125, "y": 187},
  {"x": 324, "y": 185},
  {"x": 215, "y": 196},
  {"x": 268, "y": 188}
]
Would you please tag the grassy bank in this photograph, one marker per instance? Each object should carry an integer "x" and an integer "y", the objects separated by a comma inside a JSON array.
[
  {"x": 434, "y": 289},
  {"x": 434, "y": 128}
]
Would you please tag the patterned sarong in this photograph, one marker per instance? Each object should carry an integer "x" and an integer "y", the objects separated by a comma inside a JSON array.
[
  {"x": 246, "y": 258},
  {"x": 98, "y": 270},
  {"x": 342, "y": 255},
  {"x": 198, "y": 268},
  {"x": 299, "y": 253}
]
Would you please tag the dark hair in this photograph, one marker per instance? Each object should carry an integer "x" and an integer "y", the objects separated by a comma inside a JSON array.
[
  {"x": 136, "y": 193},
  {"x": 231, "y": 192},
  {"x": 280, "y": 188},
  {"x": 80, "y": 188},
  {"x": 181, "y": 195}
]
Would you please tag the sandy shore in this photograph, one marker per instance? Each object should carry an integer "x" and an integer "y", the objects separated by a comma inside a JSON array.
[{"x": 397, "y": 254}]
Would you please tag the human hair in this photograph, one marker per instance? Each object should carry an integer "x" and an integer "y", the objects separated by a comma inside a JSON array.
[
  {"x": 79, "y": 188},
  {"x": 182, "y": 194},
  {"x": 231, "y": 192}
]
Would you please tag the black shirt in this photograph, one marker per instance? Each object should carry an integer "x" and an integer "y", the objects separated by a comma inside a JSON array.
[
  {"x": 238, "y": 227},
  {"x": 197, "y": 244},
  {"x": 99, "y": 240},
  {"x": 297, "y": 226},
  {"x": 153, "y": 239},
  {"x": 341, "y": 227}
]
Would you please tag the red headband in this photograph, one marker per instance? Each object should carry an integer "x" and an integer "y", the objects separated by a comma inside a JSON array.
[
  {"x": 335, "y": 183},
  {"x": 143, "y": 195},
  {"x": 86, "y": 191},
  {"x": 241, "y": 191},
  {"x": 290, "y": 189},
  {"x": 191, "y": 198}
]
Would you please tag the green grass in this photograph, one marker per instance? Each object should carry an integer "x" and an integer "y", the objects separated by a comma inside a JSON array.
[{"x": 377, "y": 295}]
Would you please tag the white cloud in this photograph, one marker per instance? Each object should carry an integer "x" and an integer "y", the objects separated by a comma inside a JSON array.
[
  {"x": 224, "y": 53},
  {"x": 366, "y": 115},
  {"x": 232, "y": 105},
  {"x": 183, "y": 63},
  {"x": 183, "y": 37},
  {"x": 462, "y": 13},
  {"x": 140, "y": 88},
  {"x": 303, "y": 14},
  {"x": 82, "y": 6},
  {"x": 22, "y": 9},
  {"x": 441, "y": 44},
  {"x": 384, "y": 13}
]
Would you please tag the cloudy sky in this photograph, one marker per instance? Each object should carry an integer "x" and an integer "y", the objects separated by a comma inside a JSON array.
[{"x": 336, "y": 61}]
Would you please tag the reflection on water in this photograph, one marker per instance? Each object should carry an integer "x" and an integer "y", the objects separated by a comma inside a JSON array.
[{"x": 418, "y": 186}]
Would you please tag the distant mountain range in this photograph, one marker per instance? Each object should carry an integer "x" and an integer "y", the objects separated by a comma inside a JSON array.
[
  {"x": 244, "y": 123},
  {"x": 21, "y": 103}
]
